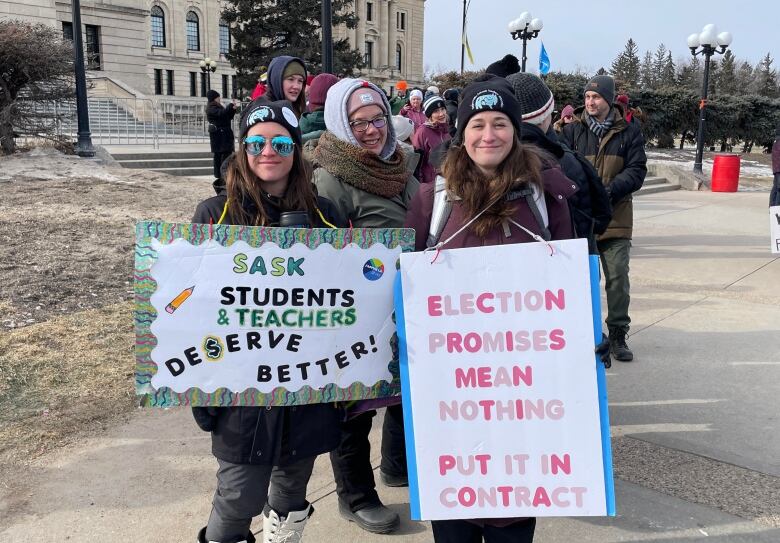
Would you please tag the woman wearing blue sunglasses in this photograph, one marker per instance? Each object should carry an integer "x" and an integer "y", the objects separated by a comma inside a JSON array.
[{"x": 266, "y": 454}]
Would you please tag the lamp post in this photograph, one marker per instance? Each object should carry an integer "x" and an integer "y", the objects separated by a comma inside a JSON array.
[
  {"x": 327, "y": 37},
  {"x": 84, "y": 146},
  {"x": 525, "y": 28},
  {"x": 208, "y": 66},
  {"x": 706, "y": 43}
]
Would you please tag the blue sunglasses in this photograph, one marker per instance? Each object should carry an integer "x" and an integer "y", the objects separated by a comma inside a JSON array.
[{"x": 282, "y": 145}]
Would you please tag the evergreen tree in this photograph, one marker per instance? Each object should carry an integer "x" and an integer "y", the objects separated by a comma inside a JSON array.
[
  {"x": 602, "y": 71},
  {"x": 746, "y": 78},
  {"x": 658, "y": 64},
  {"x": 767, "y": 78},
  {"x": 626, "y": 66},
  {"x": 668, "y": 73},
  {"x": 690, "y": 75},
  {"x": 727, "y": 80},
  {"x": 646, "y": 79},
  {"x": 264, "y": 29}
]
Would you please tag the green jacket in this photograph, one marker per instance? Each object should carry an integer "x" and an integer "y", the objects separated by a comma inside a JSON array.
[
  {"x": 361, "y": 208},
  {"x": 312, "y": 124},
  {"x": 620, "y": 160},
  {"x": 397, "y": 103}
]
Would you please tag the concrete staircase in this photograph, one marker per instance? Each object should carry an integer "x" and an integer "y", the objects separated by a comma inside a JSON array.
[
  {"x": 182, "y": 163},
  {"x": 655, "y": 184}
]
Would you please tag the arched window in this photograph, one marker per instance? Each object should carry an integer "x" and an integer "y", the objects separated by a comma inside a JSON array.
[
  {"x": 224, "y": 38},
  {"x": 193, "y": 32},
  {"x": 158, "y": 27},
  {"x": 398, "y": 56}
]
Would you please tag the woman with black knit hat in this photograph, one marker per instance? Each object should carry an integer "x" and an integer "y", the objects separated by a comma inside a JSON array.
[
  {"x": 287, "y": 81},
  {"x": 266, "y": 454},
  {"x": 497, "y": 190},
  {"x": 361, "y": 169},
  {"x": 430, "y": 135}
]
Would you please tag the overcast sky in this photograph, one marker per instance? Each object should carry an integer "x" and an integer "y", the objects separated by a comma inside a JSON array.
[{"x": 589, "y": 35}]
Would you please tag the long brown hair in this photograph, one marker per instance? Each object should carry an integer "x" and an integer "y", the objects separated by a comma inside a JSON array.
[
  {"x": 242, "y": 184},
  {"x": 477, "y": 191}
]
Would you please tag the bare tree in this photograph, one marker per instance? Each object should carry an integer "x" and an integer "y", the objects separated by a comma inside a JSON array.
[{"x": 36, "y": 66}]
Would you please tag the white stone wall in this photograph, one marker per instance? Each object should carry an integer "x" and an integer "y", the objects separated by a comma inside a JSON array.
[{"x": 34, "y": 11}]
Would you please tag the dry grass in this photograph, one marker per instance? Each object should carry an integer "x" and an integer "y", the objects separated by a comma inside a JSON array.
[{"x": 62, "y": 377}]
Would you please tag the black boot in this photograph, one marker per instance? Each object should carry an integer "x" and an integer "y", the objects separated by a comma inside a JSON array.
[
  {"x": 250, "y": 538},
  {"x": 617, "y": 344}
]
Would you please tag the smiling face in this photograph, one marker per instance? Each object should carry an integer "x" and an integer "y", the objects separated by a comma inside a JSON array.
[
  {"x": 292, "y": 86},
  {"x": 272, "y": 169},
  {"x": 373, "y": 139},
  {"x": 596, "y": 106},
  {"x": 439, "y": 116},
  {"x": 488, "y": 139}
]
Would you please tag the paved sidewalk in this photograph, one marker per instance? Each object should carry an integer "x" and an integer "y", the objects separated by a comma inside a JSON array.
[{"x": 695, "y": 417}]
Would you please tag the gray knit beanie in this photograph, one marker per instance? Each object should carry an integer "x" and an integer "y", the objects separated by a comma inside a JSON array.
[
  {"x": 603, "y": 85},
  {"x": 337, "y": 116},
  {"x": 536, "y": 99}
]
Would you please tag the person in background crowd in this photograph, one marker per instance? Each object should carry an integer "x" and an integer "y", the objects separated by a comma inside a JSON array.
[
  {"x": 266, "y": 454},
  {"x": 506, "y": 66},
  {"x": 617, "y": 150},
  {"x": 362, "y": 170},
  {"x": 774, "y": 196},
  {"x": 451, "y": 97},
  {"x": 261, "y": 87},
  {"x": 309, "y": 79},
  {"x": 413, "y": 110},
  {"x": 622, "y": 99},
  {"x": 430, "y": 135},
  {"x": 286, "y": 81},
  {"x": 404, "y": 130},
  {"x": 313, "y": 121},
  {"x": 399, "y": 100},
  {"x": 433, "y": 90},
  {"x": 221, "y": 137},
  {"x": 567, "y": 116},
  {"x": 489, "y": 171},
  {"x": 590, "y": 207}
]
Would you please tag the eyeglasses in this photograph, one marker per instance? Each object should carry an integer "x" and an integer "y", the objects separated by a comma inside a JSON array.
[
  {"x": 282, "y": 145},
  {"x": 362, "y": 126}
]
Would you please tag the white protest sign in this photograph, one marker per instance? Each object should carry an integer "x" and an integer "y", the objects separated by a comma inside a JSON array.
[
  {"x": 774, "y": 229},
  {"x": 501, "y": 384},
  {"x": 241, "y": 324}
]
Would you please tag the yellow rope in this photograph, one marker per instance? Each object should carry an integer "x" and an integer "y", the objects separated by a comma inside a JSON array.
[
  {"x": 324, "y": 219},
  {"x": 224, "y": 212}
]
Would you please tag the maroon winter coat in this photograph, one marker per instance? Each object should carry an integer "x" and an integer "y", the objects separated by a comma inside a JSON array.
[
  {"x": 415, "y": 115},
  {"x": 428, "y": 137},
  {"x": 776, "y": 156},
  {"x": 557, "y": 189}
]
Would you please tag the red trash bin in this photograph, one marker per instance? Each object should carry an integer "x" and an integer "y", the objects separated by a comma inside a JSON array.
[{"x": 725, "y": 173}]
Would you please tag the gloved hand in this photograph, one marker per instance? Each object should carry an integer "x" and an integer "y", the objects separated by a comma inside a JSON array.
[
  {"x": 602, "y": 349},
  {"x": 205, "y": 417}
]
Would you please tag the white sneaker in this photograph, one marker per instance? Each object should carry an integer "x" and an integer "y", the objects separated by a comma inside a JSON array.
[{"x": 287, "y": 529}]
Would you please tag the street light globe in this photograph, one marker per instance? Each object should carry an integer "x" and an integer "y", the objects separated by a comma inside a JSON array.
[
  {"x": 202, "y": 63},
  {"x": 524, "y": 18},
  {"x": 514, "y": 25},
  {"x": 711, "y": 27},
  {"x": 208, "y": 60},
  {"x": 693, "y": 41},
  {"x": 724, "y": 39},
  {"x": 536, "y": 25},
  {"x": 212, "y": 63},
  {"x": 708, "y": 37}
]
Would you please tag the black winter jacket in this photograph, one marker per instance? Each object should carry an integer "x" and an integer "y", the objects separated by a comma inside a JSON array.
[
  {"x": 221, "y": 134},
  {"x": 590, "y": 207},
  {"x": 268, "y": 435}
]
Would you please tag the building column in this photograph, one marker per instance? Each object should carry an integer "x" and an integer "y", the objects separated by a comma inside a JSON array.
[
  {"x": 360, "y": 31},
  {"x": 384, "y": 28},
  {"x": 391, "y": 32}
]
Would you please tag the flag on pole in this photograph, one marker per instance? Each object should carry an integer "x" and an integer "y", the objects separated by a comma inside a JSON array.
[
  {"x": 466, "y": 44},
  {"x": 544, "y": 61}
]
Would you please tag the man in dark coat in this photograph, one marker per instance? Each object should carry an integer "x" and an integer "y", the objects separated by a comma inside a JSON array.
[
  {"x": 616, "y": 148},
  {"x": 590, "y": 207},
  {"x": 221, "y": 134}
]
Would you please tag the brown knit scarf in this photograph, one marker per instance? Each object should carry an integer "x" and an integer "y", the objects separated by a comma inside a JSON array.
[{"x": 361, "y": 168}]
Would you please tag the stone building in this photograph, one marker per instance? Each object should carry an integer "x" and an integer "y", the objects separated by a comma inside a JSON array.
[{"x": 148, "y": 48}]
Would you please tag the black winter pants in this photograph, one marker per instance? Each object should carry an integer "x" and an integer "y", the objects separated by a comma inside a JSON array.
[
  {"x": 219, "y": 158},
  {"x": 351, "y": 460},
  {"x": 463, "y": 531}
]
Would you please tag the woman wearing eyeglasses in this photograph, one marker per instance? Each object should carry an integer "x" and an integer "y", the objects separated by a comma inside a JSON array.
[
  {"x": 361, "y": 169},
  {"x": 266, "y": 454}
]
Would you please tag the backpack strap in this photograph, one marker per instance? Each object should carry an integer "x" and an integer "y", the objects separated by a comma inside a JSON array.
[
  {"x": 442, "y": 208},
  {"x": 527, "y": 192}
]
